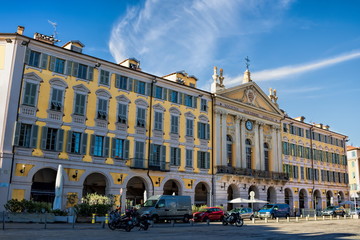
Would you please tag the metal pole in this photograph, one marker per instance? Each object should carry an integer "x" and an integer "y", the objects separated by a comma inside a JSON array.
[
  {"x": 73, "y": 221},
  {"x": 45, "y": 220},
  {"x": 3, "y": 220}
]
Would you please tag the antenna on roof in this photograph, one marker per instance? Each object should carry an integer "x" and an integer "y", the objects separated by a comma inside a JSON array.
[{"x": 54, "y": 24}]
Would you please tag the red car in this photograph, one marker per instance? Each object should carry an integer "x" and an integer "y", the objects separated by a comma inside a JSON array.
[{"x": 211, "y": 213}]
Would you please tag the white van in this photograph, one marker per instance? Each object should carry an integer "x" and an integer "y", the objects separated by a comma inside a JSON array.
[{"x": 167, "y": 207}]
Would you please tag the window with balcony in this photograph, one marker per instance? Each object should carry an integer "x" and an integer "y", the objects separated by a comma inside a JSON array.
[
  {"x": 175, "y": 156},
  {"x": 52, "y": 139},
  {"x": 25, "y": 135}
]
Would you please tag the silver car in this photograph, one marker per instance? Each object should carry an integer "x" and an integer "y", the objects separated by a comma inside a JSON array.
[{"x": 245, "y": 213}]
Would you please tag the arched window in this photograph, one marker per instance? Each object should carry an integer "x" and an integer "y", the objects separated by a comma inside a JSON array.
[
  {"x": 248, "y": 153},
  {"x": 229, "y": 150},
  {"x": 266, "y": 156}
]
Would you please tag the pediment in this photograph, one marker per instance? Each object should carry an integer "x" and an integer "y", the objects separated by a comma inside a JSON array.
[{"x": 251, "y": 94}]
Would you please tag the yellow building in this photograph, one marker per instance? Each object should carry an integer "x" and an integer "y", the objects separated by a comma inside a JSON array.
[
  {"x": 111, "y": 126},
  {"x": 353, "y": 155},
  {"x": 315, "y": 159}
]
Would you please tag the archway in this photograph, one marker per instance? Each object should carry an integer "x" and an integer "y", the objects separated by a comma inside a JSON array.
[
  {"x": 289, "y": 199},
  {"x": 329, "y": 199},
  {"x": 171, "y": 188},
  {"x": 303, "y": 203},
  {"x": 341, "y": 197},
  {"x": 201, "y": 194},
  {"x": 43, "y": 185},
  {"x": 271, "y": 195},
  {"x": 317, "y": 199},
  {"x": 135, "y": 192},
  {"x": 254, "y": 189},
  {"x": 94, "y": 183}
]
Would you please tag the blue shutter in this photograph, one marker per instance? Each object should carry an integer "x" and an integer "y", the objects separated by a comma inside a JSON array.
[
  {"x": 68, "y": 144},
  {"x": 44, "y": 137},
  {"x": 75, "y": 69},
  {"x": 165, "y": 94},
  {"x": 117, "y": 80},
  {"x": 52, "y": 63},
  {"x": 126, "y": 149},
  {"x": 92, "y": 144},
  {"x": 199, "y": 130},
  {"x": 172, "y": 161},
  {"x": 113, "y": 147},
  {"x": 44, "y": 61},
  {"x": 178, "y": 159},
  {"x": 163, "y": 157},
  {"x": 90, "y": 73},
  {"x": 207, "y": 160},
  {"x": 148, "y": 89},
  {"x": 68, "y": 67},
  {"x": 106, "y": 146},
  {"x": 34, "y": 135},
  {"x": 130, "y": 85},
  {"x": 136, "y": 85},
  {"x": 207, "y": 131},
  {"x": 84, "y": 137},
  {"x": 60, "y": 140},
  {"x": 198, "y": 159},
  {"x": 17, "y": 127}
]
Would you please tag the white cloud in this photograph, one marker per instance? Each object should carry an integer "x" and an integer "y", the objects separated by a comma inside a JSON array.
[
  {"x": 168, "y": 36},
  {"x": 294, "y": 70}
]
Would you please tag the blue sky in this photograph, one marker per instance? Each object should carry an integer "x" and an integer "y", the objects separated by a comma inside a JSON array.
[{"x": 309, "y": 51}]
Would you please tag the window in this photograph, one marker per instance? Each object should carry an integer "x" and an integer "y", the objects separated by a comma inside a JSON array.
[
  {"x": 174, "y": 124},
  {"x": 76, "y": 142},
  {"x": 79, "y": 70},
  {"x": 174, "y": 97},
  {"x": 56, "y": 99},
  {"x": 302, "y": 174},
  {"x": 203, "y": 131},
  {"x": 175, "y": 156},
  {"x": 189, "y": 100},
  {"x": 203, "y": 106},
  {"x": 52, "y": 139},
  {"x": 120, "y": 148},
  {"x": 285, "y": 148},
  {"x": 158, "y": 121},
  {"x": 353, "y": 154},
  {"x": 248, "y": 153},
  {"x": 189, "y": 158},
  {"x": 285, "y": 128},
  {"x": 353, "y": 163},
  {"x": 229, "y": 144},
  {"x": 203, "y": 160},
  {"x": 266, "y": 157},
  {"x": 105, "y": 77},
  {"x": 140, "y": 87},
  {"x": 100, "y": 146},
  {"x": 82, "y": 72},
  {"x": 189, "y": 127},
  {"x": 80, "y": 101},
  {"x": 122, "y": 113},
  {"x": 157, "y": 156},
  {"x": 57, "y": 65},
  {"x": 159, "y": 92},
  {"x": 25, "y": 135},
  {"x": 295, "y": 172},
  {"x": 30, "y": 94},
  {"x": 140, "y": 117},
  {"x": 102, "y": 109},
  {"x": 34, "y": 59},
  {"x": 139, "y": 154},
  {"x": 121, "y": 82}
]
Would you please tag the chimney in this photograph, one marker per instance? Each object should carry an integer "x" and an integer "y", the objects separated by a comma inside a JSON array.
[
  {"x": 74, "y": 45},
  {"x": 20, "y": 30},
  {"x": 44, "y": 38},
  {"x": 132, "y": 63},
  {"x": 301, "y": 119}
]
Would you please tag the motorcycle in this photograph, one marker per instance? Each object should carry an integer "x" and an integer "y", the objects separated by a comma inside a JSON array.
[
  {"x": 128, "y": 221},
  {"x": 233, "y": 218}
]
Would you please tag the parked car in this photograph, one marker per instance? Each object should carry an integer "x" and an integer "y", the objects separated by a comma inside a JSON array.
[
  {"x": 274, "y": 210},
  {"x": 211, "y": 213},
  {"x": 245, "y": 213},
  {"x": 333, "y": 211},
  {"x": 354, "y": 211}
]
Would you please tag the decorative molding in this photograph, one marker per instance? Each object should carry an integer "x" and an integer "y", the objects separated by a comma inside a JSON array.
[
  {"x": 32, "y": 76},
  {"x": 58, "y": 82},
  {"x": 175, "y": 110},
  {"x": 103, "y": 93},
  {"x": 141, "y": 102},
  {"x": 81, "y": 88}
]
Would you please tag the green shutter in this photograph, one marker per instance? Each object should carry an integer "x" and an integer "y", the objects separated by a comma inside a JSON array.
[
  {"x": 178, "y": 160},
  {"x": 117, "y": 80},
  {"x": 68, "y": 141},
  {"x": 75, "y": 69},
  {"x": 34, "y": 135},
  {"x": 60, "y": 140},
  {"x": 92, "y": 144},
  {"x": 27, "y": 55},
  {"x": 90, "y": 73},
  {"x": 44, "y": 61},
  {"x": 17, "y": 127},
  {"x": 199, "y": 132},
  {"x": 195, "y": 102},
  {"x": 165, "y": 94},
  {"x": 172, "y": 162},
  {"x": 207, "y": 160},
  {"x": 198, "y": 159},
  {"x": 106, "y": 146},
  {"x": 207, "y": 131},
  {"x": 84, "y": 137},
  {"x": 130, "y": 85},
  {"x": 126, "y": 149},
  {"x": 52, "y": 63},
  {"x": 44, "y": 137},
  {"x": 68, "y": 69},
  {"x": 163, "y": 157},
  {"x": 113, "y": 147},
  {"x": 181, "y": 98},
  {"x": 136, "y": 85},
  {"x": 148, "y": 89}
]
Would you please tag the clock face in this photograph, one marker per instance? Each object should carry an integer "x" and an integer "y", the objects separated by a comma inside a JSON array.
[{"x": 249, "y": 125}]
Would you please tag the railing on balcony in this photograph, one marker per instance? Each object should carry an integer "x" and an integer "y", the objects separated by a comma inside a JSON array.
[
  {"x": 140, "y": 163},
  {"x": 253, "y": 173}
]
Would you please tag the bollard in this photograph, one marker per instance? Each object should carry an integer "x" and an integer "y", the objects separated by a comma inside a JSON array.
[
  {"x": 102, "y": 224},
  {"x": 330, "y": 217},
  {"x": 93, "y": 218},
  {"x": 338, "y": 217},
  {"x": 172, "y": 223},
  {"x": 277, "y": 219},
  {"x": 191, "y": 222},
  {"x": 301, "y": 216},
  {"x": 208, "y": 222},
  {"x": 345, "y": 217},
  {"x": 297, "y": 219},
  {"x": 253, "y": 220},
  {"x": 315, "y": 217},
  {"x": 266, "y": 220},
  {"x": 73, "y": 221},
  {"x": 323, "y": 217},
  {"x": 106, "y": 218},
  {"x": 307, "y": 218},
  {"x": 288, "y": 219}
]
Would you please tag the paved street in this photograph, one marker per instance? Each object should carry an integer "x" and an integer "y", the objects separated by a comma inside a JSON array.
[{"x": 334, "y": 229}]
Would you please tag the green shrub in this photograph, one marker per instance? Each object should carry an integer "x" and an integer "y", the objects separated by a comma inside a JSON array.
[
  {"x": 58, "y": 212},
  {"x": 28, "y": 206},
  {"x": 94, "y": 203},
  {"x": 14, "y": 205}
]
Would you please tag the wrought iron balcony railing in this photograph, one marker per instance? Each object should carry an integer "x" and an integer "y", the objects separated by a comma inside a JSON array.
[{"x": 253, "y": 173}]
